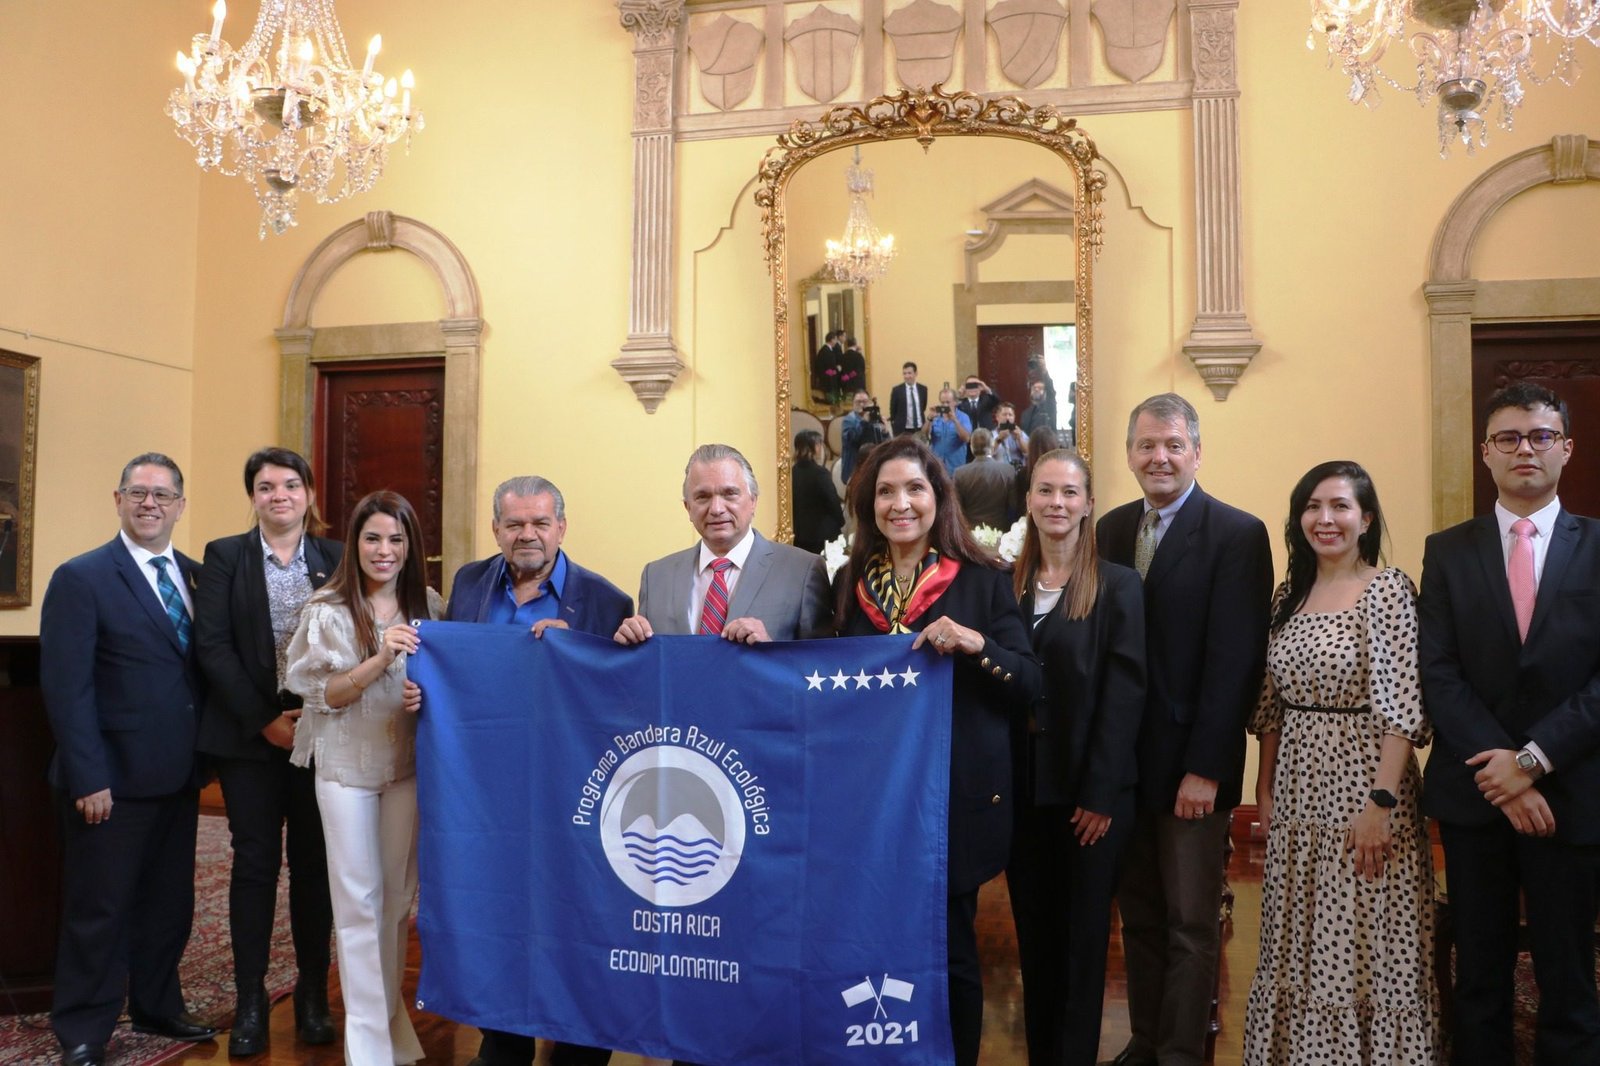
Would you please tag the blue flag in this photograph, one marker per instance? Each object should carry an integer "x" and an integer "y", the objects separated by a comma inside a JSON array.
[{"x": 687, "y": 849}]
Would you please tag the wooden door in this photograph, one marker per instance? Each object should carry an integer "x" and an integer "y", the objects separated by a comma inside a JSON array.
[
  {"x": 1564, "y": 356},
  {"x": 380, "y": 425},
  {"x": 1003, "y": 354}
]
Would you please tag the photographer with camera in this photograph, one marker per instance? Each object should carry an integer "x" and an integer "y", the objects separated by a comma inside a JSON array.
[
  {"x": 948, "y": 431},
  {"x": 1010, "y": 442},
  {"x": 978, "y": 402},
  {"x": 862, "y": 425}
]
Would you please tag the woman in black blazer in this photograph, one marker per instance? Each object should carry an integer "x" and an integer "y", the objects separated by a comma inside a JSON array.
[
  {"x": 244, "y": 618},
  {"x": 914, "y": 568},
  {"x": 1074, "y": 761},
  {"x": 818, "y": 516}
]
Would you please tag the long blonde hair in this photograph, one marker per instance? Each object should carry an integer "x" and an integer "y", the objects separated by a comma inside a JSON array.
[{"x": 1083, "y": 584}]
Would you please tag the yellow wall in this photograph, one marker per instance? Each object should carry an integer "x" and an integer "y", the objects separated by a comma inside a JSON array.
[
  {"x": 526, "y": 165},
  {"x": 98, "y": 227}
]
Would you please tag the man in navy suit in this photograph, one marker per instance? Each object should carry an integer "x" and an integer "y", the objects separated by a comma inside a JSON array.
[
  {"x": 533, "y": 583},
  {"x": 1510, "y": 645},
  {"x": 1207, "y": 571},
  {"x": 122, "y": 691}
]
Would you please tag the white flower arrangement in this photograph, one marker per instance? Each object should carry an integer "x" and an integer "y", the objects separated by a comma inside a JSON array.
[
  {"x": 836, "y": 553},
  {"x": 988, "y": 536},
  {"x": 1010, "y": 544}
]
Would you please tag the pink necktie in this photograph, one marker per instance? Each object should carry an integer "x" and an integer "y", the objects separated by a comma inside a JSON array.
[
  {"x": 714, "y": 612},
  {"x": 1519, "y": 572}
]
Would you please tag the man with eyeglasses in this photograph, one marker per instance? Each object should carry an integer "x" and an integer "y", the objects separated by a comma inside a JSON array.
[
  {"x": 122, "y": 692},
  {"x": 1510, "y": 656}
]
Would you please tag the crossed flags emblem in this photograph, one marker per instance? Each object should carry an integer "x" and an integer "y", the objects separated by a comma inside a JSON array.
[{"x": 890, "y": 988}]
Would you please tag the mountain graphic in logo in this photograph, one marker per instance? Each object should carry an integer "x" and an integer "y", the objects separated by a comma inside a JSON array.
[{"x": 672, "y": 825}]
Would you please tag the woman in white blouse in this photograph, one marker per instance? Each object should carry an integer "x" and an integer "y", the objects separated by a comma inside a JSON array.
[{"x": 348, "y": 661}]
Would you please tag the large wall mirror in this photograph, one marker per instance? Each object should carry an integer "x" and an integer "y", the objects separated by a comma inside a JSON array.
[{"x": 995, "y": 207}]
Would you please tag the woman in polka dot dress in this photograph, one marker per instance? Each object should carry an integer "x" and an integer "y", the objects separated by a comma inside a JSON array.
[{"x": 1345, "y": 975}]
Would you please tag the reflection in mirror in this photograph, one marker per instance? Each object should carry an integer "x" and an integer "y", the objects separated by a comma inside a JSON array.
[
  {"x": 832, "y": 329},
  {"x": 996, "y": 237}
]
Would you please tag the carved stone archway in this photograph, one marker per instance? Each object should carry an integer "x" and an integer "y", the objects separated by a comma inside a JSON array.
[
  {"x": 456, "y": 337},
  {"x": 1456, "y": 300}
]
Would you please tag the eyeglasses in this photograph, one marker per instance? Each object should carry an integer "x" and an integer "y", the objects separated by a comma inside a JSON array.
[
  {"x": 1540, "y": 440},
  {"x": 138, "y": 494}
]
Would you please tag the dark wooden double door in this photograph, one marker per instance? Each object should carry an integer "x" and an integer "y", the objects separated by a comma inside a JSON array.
[{"x": 380, "y": 425}]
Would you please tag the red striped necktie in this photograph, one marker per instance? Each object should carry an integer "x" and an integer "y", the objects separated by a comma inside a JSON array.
[{"x": 714, "y": 612}]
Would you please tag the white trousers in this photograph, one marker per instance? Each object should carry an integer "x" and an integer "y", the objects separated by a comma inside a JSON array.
[{"x": 372, "y": 875}]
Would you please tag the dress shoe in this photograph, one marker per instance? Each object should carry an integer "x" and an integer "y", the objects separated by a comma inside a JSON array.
[
  {"x": 1125, "y": 1057},
  {"x": 83, "y": 1055},
  {"x": 249, "y": 1034},
  {"x": 182, "y": 1026},
  {"x": 312, "y": 1022}
]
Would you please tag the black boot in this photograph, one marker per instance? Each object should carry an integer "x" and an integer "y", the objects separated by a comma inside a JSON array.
[
  {"x": 249, "y": 1035},
  {"x": 312, "y": 1022}
]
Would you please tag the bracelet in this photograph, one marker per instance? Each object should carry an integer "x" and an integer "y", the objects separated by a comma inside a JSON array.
[{"x": 350, "y": 676}]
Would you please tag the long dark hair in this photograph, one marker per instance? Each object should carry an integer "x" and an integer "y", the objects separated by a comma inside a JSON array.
[
  {"x": 1083, "y": 584},
  {"x": 346, "y": 586},
  {"x": 1302, "y": 557},
  {"x": 289, "y": 460},
  {"x": 949, "y": 535}
]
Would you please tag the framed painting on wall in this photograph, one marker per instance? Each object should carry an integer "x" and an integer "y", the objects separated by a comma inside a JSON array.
[{"x": 19, "y": 437}]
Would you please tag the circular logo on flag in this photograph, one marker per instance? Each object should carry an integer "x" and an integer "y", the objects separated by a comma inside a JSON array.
[{"x": 672, "y": 826}]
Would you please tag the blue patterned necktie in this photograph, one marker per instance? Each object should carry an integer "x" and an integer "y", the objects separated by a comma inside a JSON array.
[{"x": 172, "y": 602}]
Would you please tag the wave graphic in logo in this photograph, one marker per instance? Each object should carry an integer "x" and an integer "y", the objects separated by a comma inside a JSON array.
[{"x": 672, "y": 826}]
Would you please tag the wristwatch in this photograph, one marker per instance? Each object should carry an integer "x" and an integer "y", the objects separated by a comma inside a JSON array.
[
  {"x": 1529, "y": 765},
  {"x": 1383, "y": 798}
]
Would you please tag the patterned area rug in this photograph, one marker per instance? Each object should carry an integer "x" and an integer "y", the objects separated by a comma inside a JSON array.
[{"x": 26, "y": 1040}]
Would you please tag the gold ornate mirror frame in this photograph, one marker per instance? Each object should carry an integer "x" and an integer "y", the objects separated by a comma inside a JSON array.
[{"x": 925, "y": 115}]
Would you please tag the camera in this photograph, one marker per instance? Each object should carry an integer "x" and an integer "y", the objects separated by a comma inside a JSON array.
[
  {"x": 874, "y": 413},
  {"x": 1005, "y": 427},
  {"x": 943, "y": 410}
]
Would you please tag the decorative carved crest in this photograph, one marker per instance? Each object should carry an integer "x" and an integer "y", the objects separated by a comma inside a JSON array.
[
  {"x": 1213, "y": 50},
  {"x": 726, "y": 51},
  {"x": 924, "y": 34},
  {"x": 1135, "y": 34},
  {"x": 824, "y": 47},
  {"x": 1029, "y": 35}
]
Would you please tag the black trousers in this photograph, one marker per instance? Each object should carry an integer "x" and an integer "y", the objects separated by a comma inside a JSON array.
[
  {"x": 965, "y": 974},
  {"x": 262, "y": 795},
  {"x": 1487, "y": 867},
  {"x": 1061, "y": 895},
  {"x": 127, "y": 891},
  {"x": 514, "y": 1049}
]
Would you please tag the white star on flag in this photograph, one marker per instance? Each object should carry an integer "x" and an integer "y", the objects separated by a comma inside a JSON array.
[
  {"x": 839, "y": 680},
  {"x": 863, "y": 680},
  {"x": 886, "y": 679},
  {"x": 814, "y": 681},
  {"x": 910, "y": 677}
]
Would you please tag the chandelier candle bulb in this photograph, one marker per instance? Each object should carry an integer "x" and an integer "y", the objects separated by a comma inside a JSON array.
[
  {"x": 374, "y": 46},
  {"x": 406, "y": 83},
  {"x": 219, "y": 11}
]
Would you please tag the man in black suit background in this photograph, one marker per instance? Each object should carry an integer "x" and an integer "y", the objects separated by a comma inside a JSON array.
[
  {"x": 908, "y": 403},
  {"x": 1207, "y": 571},
  {"x": 122, "y": 691},
  {"x": 1510, "y": 647},
  {"x": 533, "y": 583}
]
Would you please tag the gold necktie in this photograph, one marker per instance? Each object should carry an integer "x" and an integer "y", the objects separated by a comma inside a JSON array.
[{"x": 1144, "y": 544}]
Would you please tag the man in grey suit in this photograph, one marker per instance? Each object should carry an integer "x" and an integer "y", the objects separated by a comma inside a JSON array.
[{"x": 735, "y": 583}]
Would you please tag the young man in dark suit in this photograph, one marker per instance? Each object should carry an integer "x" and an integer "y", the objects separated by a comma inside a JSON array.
[
  {"x": 533, "y": 583},
  {"x": 1207, "y": 571},
  {"x": 122, "y": 691},
  {"x": 908, "y": 403},
  {"x": 1510, "y": 646}
]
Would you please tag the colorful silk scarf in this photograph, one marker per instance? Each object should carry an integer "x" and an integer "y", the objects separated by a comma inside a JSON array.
[{"x": 881, "y": 601}]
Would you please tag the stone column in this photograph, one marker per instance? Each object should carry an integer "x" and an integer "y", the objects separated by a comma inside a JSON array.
[
  {"x": 1220, "y": 342},
  {"x": 649, "y": 361}
]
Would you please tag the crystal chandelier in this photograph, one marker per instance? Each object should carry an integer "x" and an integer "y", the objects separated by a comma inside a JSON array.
[
  {"x": 861, "y": 256},
  {"x": 288, "y": 111},
  {"x": 1471, "y": 55}
]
